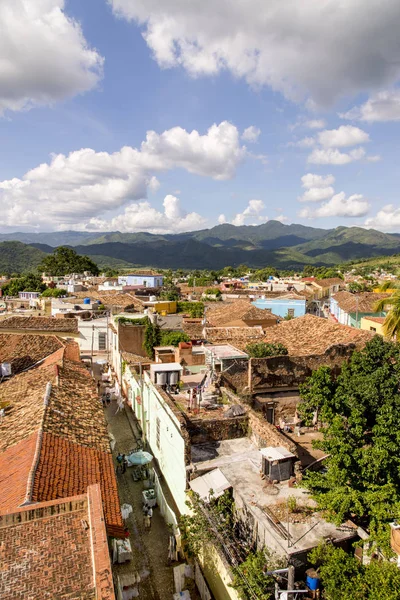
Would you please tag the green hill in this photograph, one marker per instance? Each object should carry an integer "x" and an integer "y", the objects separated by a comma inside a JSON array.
[{"x": 16, "y": 257}]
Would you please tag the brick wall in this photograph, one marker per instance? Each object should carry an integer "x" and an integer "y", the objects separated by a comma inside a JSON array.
[{"x": 214, "y": 430}]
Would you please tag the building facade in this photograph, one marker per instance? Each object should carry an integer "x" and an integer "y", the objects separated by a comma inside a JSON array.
[
  {"x": 147, "y": 280},
  {"x": 283, "y": 307}
]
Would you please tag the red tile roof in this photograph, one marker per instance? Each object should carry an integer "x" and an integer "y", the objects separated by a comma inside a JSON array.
[
  {"x": 56, "y": 404},
  {"x": 25, "y": 350},
  {"x": 40, "y": 324},
  {"x": 56, "y": 549}
]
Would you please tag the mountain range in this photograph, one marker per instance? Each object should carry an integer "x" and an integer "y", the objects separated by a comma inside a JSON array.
[{"x": 272, "y": 243}]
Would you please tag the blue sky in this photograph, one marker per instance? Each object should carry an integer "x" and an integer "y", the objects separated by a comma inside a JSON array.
[{"x": 87, "y": 81}]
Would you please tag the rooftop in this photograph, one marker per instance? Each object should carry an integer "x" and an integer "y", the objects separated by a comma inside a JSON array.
[
  {"x": 56, "y": 549},
  {"x": 22, "y": 351},
  {"x": 53, "y": 438},
  {"x": 314, "y": 335},
  {"x": 40, "y": 324},
  {"x": 225, "y": 313},
  {"x": 364, "y": 302},
  {"x": 225, "y": 351},
  {"x": 239, "y": 336},
  {"x": 326, "y": 283},
  {"x": 379, "y": 320},
  {"x": 240, "y": 463}
]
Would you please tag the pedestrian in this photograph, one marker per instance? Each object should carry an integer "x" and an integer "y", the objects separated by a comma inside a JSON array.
[
  {"x": 124, "y": 463},
  {"x": 149, "y": 515},
  {"x": 98, "y": 387},
  {"x": 146, "y": 518},
  {"x": 120, "y": 458},
  {"x": 127, "y": 533}
]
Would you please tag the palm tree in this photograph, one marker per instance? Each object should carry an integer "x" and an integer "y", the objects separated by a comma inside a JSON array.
[
  {"x": 388, "y": 285},
  {"x": 391, "y": 324}
]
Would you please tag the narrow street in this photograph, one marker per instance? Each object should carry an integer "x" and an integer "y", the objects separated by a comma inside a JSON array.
[{"x": 149, "y": 548}]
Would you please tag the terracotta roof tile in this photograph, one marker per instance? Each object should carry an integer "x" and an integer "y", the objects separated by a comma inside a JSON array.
[
  {"x": 40, "y": 324},
  {"x": 15, "y": 466},
  {"x": 379, "y": 320},
  {"x": 25, "y": 350},
  {"x": 224, "y": 313},
  {"x": 314, "y": 335},
  {"x": 363, "y": 302},
  {"x": 238, "y": 336}
]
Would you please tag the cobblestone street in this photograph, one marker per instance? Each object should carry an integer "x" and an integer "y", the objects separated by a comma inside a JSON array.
[{"x": 149, "y": 548}]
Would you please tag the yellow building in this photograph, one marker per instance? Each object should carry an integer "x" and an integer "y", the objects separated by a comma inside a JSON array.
[
  {"x": 373, "y": 324},
  {"x": 162, "y": 307}
]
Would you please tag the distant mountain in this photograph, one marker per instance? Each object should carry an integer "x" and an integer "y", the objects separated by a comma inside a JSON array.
[
  {"x": 271, "y": 243},
  {"x": 16, "y": 257}
]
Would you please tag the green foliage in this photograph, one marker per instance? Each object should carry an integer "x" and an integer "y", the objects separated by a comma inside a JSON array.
[
  {"x": 391, "y": 325},
  {"x": 361, "y": 416},
  {"x": 152, "y": 337},
  {"x": 171, "y": 295},
  {"x": 28, "y": 283},
  {"x": 213, "y": 292},
  {"x": 194, "y": 309},
  {"x": 200, "y": 281},
  {"x": 111, "y": 273},
  {"x": 127, "y": 320},
  {"x": 264, "y": 349},
  {"x": 17, "y": 258},
  {"x": 65, "y": 260},
  {"x": 354, "y": 287},
  {"x": 343, "y": 576},
  {"x": 172, "y": 338},
  {"x": 264, "y": 274},
  {"x": 54, "y": 293},
  {"x": 250, "y": 579}
]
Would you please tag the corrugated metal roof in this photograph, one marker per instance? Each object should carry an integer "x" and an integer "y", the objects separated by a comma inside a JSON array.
[{"x": 214, "y": 480}]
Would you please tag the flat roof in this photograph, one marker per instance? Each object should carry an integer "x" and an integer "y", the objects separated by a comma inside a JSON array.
[
  {"x": 214, "y": 480},
  {"x": 277, "y": 453},
  {"x": 225, "y": 351},
  {"x": 158, "y": 367}
]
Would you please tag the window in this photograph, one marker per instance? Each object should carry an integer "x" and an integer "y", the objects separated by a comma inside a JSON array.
[
  {"x": 372, "y": 328},
  {"x": 290, "y": 312},
  {"x": 158, "y": 433},
  {"x": 102, "y": 340}
]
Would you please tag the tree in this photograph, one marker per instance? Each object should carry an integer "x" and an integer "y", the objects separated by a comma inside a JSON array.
[
  {"x": 250, "y": 578},
  {"x": 172, "y": 338},
  {"x": 65, "y": 260},
  {"x": 264, "y": 274},
  {"x": 361, "y": 415},
  {"x": 343, "y": 576},
  {"x": 53, "y": 293},
  {"x": 391, "y": 325},
  {"x": 264, "y": 349},
  {"x": 194, "y": 309},
  {"x": 31, "y": 282}
]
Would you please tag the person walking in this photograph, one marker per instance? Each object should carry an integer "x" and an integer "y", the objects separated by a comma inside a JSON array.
[
  {"x": 149, "y": 515},
  {"x": 146, "y": 518},
  {"x": 124, "y": 463}
]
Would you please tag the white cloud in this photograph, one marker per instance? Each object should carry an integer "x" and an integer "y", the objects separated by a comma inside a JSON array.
[
  {"x": 316, "y": 124},
  {"x": 375, "y": 158},
  {"x": 251, "y": 134},
  {"x": 330, "y": 156},
  {"x": 316, "y": 194},
  {"x": 44, "y": 56},
  {"x": 327, "y": 49},
  {"x": 338, "y": 206},
  {"x": 345, "y": 135},
  {"x": 86, "y": 183},
  {"x": 387, "y": 219},
  {"x": 141, "y": 216},
  {"x": 253, "y": 209},
  {"x": 384, "y": 106},
  {"x": 307, "y": 142},
  {"x": 222, "y": 219},
  {"x": 281, "y": 218},
  {"x": 310, "y": 180}
]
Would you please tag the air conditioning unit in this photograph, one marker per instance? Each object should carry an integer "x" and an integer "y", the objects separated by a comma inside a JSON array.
[
  {"x": 277, "y": 463},
  {"x": 5, "y": 369},
  {"x": 165, "y": 373}
]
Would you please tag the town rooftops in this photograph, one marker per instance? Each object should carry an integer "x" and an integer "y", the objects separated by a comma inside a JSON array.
[
  {"x": 379, "y": 320},
  {"x": 329, "y": 282},
  {"x": 364, "y": 302},
  {"x": 40, "y": 324},
  {"x": 314, "y": 335},
  {"x": 53, "y": 438},
  {"x": 56, "y": 549},
  {"x": 144, "y": 274}
]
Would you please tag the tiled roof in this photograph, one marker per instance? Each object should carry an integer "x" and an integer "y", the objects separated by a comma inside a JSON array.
[
  {"x": 328, "y": 282},
  {"x": 132, "y": 358},
  {"x": 238, "y": 336},
  {"x": 40, "y": 324},
  {"x": 57, "y": 403},
  {"x": 314, "y": 335},
  {"x": 364, "y": 302},
  {"x": 56, "y": 550},
  {"x": 379, "y": 320},
  {"x": 25, "y": 350},
  {"x": 224, "y": 313},
  {"x": 194, "y": 330}
]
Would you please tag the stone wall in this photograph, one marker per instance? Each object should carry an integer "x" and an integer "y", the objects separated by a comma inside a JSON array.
[
  {"x": 202, "y": 431},
  {"x": 280, "y": 372},
  {"x": 237, "y": 377},
  {"x": 263, "y": 434}
]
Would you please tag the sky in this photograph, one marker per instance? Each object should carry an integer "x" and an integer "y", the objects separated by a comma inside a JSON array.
[{"x": 177, "y": 115}]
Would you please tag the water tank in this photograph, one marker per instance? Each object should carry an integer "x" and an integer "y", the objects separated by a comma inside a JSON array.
[
  {"x": 86, "y": 301},
  {"x": 152, "y": 298},
  {"x": 161, "y": 378},
  {"x": 173, "y": 378}
]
